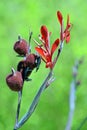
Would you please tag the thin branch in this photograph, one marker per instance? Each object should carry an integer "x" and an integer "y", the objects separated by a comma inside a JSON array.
[
  {"x": 58, "y": 54},
  {"x": 72, "y": 97},
  {"x": 71, "y": 105},
  {"x": 83, "y": 122},
  {"x": 30, "y": 36},
  {"x": 34, "y": 102},
  {"x": 18, "y": 108}
]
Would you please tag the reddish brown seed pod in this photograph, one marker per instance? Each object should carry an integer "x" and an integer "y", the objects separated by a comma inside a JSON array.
[
  {"x": 21, "y": 46},
  {"x": 30, "y": 61},
  {"x": 14, "y": 80},
  {"x": 27, "y": 65}
]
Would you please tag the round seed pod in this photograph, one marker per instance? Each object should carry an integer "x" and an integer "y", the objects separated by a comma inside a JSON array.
[
  {"x": 31, "y": 61},
  {"x": 21, "y": 47},
  {"x": 14, "y": 80}
]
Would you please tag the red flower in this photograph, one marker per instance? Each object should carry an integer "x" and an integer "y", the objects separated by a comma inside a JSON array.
[
  {"x": 64, "y": 34},
  {"x": 45, "y": 51}
]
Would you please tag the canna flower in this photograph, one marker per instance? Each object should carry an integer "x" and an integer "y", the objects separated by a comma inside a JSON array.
[
  {"x": 46, "y": 52},
  {"x": 64, "y": 34}
]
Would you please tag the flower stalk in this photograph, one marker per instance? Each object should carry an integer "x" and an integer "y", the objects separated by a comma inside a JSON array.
[
  {"x": 34, "y": 102},
  {"x": 72, "y": 97},
  {"x": 31, "y": 61}
]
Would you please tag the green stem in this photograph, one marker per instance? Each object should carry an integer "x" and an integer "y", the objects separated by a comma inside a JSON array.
[{"x": 34, "y": 102}]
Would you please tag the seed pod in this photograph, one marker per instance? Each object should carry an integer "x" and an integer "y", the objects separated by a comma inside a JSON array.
[
  {"x": 31, "y": 61},
  {"x": 27, "y": 65},
  {"x": 24, "y": 69},
  {"x": 14, "y": 80},
  {"x": 21, "y": 47}
]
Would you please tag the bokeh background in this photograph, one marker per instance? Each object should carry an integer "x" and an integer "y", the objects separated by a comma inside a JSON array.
[{"x": 20, "y": 17}]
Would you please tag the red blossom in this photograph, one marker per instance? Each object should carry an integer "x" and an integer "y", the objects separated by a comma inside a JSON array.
[
  {"x": 44, "y": 49},
  {"x": 44, "y": 33},
  {"x": 64, "y": 34},
  {"x": 54, "y": 46},
  {"x": 46, "y": 52},
  {"x": 67, "y": 30},
  {"x": 60, "y": 17},
  {"x": 45, "y": 37}
]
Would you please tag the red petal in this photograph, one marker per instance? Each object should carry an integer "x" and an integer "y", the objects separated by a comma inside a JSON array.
[
  {"x": 54, "y": 46},
  {"x": 67, "y": 37},
  {"x": 60, "y": 17},
  {"x": 44, "y": 32},
  {"x": 45, "y": 37},
  {"x": 42, "y": 53},
  {"x": 69, "y": 26}
]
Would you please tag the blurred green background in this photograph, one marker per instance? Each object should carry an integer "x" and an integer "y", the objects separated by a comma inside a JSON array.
[{"x": 19, "y": 17}]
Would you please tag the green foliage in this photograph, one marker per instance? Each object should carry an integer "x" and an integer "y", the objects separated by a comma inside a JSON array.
[{"x": 19, "y": 17}]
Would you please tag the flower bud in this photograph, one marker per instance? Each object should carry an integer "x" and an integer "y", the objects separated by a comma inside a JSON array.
[
  {"x": 14, "y": 80},
  {"x": 21, "y": 47}
]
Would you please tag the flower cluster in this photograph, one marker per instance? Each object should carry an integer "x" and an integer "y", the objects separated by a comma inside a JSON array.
[
  {"x": 46, "y": 52},
  {"x": 25, "y": 67}
]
